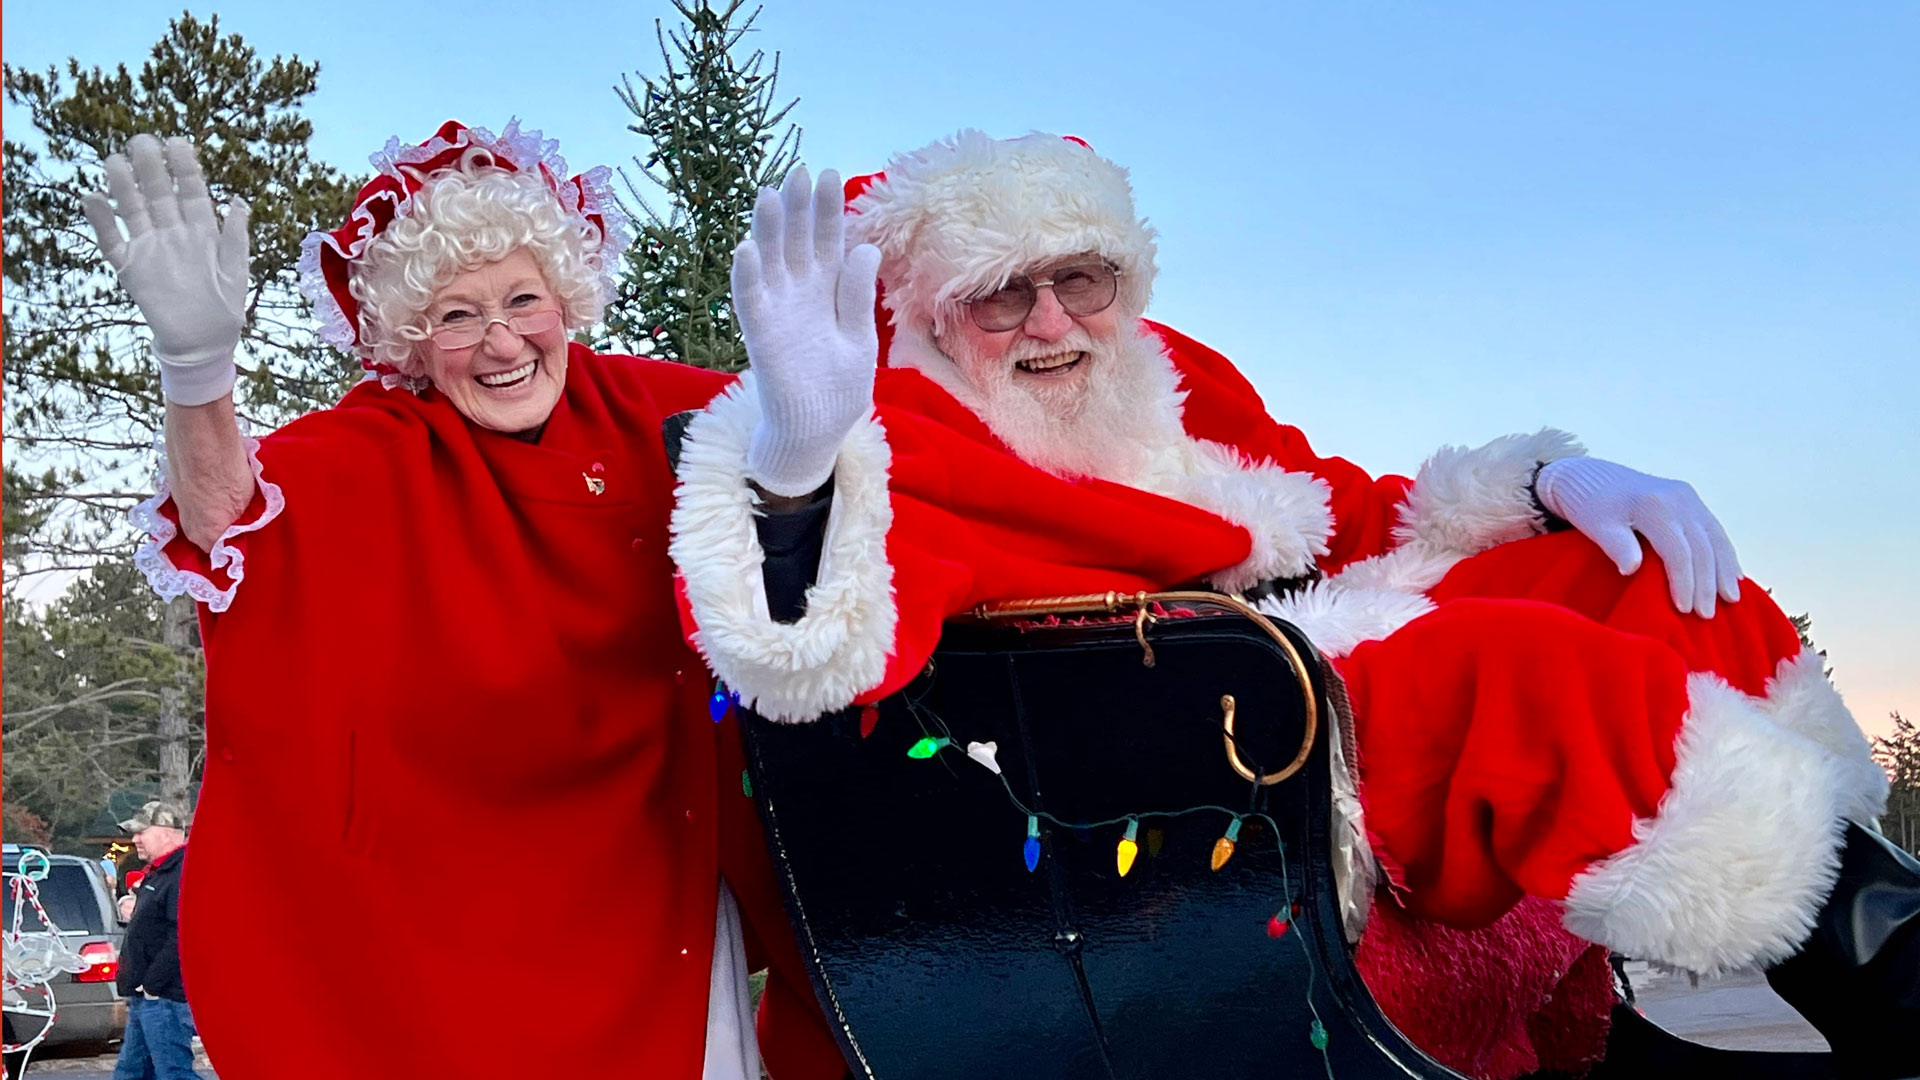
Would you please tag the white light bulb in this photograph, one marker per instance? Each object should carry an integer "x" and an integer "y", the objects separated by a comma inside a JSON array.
[{"x": 983, "y": 753}]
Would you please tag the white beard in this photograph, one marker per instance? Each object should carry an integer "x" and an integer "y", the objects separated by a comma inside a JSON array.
[
  {"x": 1123, "y": 423},
  {"x": 1112, "y": 426}
]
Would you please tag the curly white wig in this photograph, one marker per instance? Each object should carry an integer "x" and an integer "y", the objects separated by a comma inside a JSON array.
[{"x": 461, "y": 219}]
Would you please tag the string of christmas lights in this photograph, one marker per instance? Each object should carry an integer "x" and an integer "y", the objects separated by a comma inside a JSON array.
[
  {"x": 929, "y": 745},
  {"x": 985, "y": 754}
]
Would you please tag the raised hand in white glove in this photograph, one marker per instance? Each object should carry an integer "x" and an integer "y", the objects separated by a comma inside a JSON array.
[
  {"x": 1611, "y": 503},
  {"x": 805, "y": 306},
  {"x": 183, "y": 267}
]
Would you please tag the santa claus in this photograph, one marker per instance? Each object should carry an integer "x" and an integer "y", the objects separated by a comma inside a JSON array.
[{"x": 1550, "y": 723}]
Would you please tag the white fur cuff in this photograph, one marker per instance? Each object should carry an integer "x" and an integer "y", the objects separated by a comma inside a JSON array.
[
  {"x": 1801, "y": 699},
  {"x": 1471, "y": 500},
  {"x": 839, "y": 648},
  {"x": 1732, "y": 870},
  {"x": 1288, "y": 515}
]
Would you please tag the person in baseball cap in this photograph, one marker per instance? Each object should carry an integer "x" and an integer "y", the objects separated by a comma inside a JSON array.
[
  {"x": 154, "y": 814},
  {"x": 159, "y": 1037}
]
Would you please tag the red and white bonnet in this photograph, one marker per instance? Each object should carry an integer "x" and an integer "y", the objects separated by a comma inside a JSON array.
[{"x": 401, "y": 171}]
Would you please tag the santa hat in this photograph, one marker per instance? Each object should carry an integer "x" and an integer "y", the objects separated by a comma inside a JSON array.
[
  {"x": 962, "y": 216},
  {"x": 401, "y": 171}
]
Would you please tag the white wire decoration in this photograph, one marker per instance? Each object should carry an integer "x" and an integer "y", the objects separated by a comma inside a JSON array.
[{"x": 31, "y": 960}]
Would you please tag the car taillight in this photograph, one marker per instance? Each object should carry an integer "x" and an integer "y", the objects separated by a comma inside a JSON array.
[{"x": 103, "y": 964}]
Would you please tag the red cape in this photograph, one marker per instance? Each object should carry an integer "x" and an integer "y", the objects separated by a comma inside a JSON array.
[{"x": 458, "y": 755}]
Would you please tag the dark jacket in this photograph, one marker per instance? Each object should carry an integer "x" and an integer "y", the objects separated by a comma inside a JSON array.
[{"x": 150, "y": 959}]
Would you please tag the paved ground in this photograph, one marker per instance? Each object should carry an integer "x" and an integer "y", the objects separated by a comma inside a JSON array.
[{"x": 1736, "y": 1012}]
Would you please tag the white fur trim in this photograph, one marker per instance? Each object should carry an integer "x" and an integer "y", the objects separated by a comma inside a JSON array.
[
  {"x": 1470, "y": 500},
  {"x": 1288, "y": 515},
  {"x": 1368, "y": 600},
  {"x": 839, "y": 648},
  {"x": 1414, "y": 566},
  {"x": 1732, "y": 869},
  {"x": 962, "y": 215},
  {"x": 1336, "y": 618},
  {"x": 915, "y": 349},
  {"x": 151, "y": 558},
  {"x": 1803, "y": 700}
]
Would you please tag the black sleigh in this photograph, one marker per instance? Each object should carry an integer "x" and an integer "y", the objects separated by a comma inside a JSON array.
[{"x": 1093, "y": 839}]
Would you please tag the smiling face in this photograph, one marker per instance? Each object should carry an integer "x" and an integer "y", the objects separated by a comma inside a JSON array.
[
  {"x": 1075, "y": 395},
  {"x": 507, "y": 381},
  {"x": 1050, "y": 355}
]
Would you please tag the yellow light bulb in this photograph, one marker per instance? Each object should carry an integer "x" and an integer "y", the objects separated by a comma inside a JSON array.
[
  {"x": 1223, "y": 847},
  {"x": 1124, "y": 855}
]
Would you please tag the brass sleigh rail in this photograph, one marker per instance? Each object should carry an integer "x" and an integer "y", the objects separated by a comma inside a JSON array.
[{"x": 1141, "y": 604}]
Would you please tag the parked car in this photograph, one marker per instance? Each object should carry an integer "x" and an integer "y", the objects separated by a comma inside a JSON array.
[{"x": 79, "y": 899}]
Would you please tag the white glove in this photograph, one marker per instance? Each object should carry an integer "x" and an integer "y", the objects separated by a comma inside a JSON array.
[
  {"x": 805, "y": 306},
  {"x": 1610, "y": 503},
  {"x": 186, "y": 271}
]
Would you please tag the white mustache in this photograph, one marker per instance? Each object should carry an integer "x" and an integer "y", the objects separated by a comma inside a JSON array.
[{"x": 1076, "y": 341}]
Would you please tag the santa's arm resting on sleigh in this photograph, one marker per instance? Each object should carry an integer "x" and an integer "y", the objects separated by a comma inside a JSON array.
[{"x": 1537, "y": 714}]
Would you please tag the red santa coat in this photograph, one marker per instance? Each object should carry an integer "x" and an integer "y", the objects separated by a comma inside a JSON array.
[
  {"x": 460, "y": 767},
  {"x": 1529, "y": 721},
  {"x": 933, "y": 514}
]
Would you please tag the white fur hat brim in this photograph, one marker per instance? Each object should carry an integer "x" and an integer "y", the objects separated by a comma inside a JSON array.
[{"x": 960, "y": 217}]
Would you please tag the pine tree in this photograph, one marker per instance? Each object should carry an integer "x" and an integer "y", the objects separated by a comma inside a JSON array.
[
  {"x": 1899, "y": 754},
  {"x": 83, "y": 402},
  {"x": 710, "y": 121},
  {"x": 1803, "y": 625},
  {"x": 82, "y": 391},
  {"x": 84, "y": 683}
]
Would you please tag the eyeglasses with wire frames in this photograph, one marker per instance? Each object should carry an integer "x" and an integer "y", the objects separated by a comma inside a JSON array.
[
  {"x": 1083, "y": 288},
  {"x": 470, "y": 332}
]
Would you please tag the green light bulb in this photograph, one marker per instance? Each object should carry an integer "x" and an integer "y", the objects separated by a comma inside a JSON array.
[{"x": 927, "y": 747}]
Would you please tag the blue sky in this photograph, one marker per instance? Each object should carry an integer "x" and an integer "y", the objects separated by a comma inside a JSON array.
[{"x": 1688, "y": 233}]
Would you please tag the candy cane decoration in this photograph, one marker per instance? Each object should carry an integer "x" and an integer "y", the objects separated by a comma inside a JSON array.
[{"x": 29, "y": 966}]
